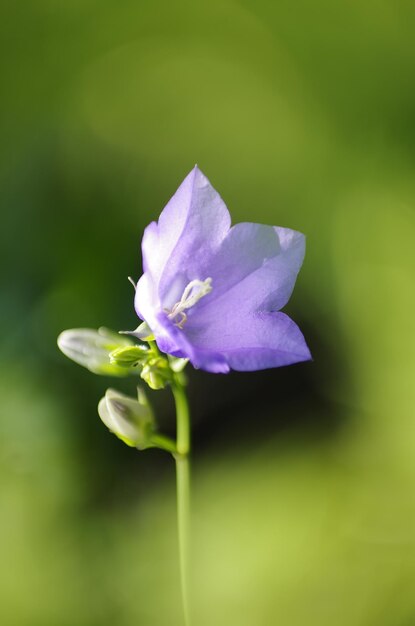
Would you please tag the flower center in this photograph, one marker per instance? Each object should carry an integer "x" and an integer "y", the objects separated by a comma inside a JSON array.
[{"x": 193, "y": 292}]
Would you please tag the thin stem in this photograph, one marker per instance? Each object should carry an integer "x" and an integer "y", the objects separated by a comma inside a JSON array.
[
  {"x": 183, "y": 491},
  {"x": 163, "y": 442},
  {"x": 183, "y": 418},
  {"x": 183, "y": 514}
]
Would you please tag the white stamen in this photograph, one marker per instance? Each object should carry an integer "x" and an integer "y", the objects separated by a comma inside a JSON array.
[{"x": 193, "y": 292}]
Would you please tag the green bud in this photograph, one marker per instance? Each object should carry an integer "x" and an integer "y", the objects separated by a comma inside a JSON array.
[
  {"x": 129, "y": 419},
  {"x": 156, "y": 372},
  {"x": 130, "y": 356},
  {"x": 91, "y": 349}
]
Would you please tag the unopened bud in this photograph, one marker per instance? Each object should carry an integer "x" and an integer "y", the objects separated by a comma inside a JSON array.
[
  {"x": 156, "y": 372},
  {"x": 130, "y": 356},
  {"x": 130, "y": 419},
  {"x": 91, "y": 349}
]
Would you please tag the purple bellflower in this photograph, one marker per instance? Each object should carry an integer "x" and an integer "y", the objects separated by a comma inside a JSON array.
[{"x": 212, "y": 293}]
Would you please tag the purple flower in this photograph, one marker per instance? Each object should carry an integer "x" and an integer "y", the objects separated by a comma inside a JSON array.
[{"x": 212, "y": 293}]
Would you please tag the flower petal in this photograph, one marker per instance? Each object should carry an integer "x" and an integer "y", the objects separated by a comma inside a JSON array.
[
  {"x": 264, "y": 340},
  {"x": 169, "y": 338},
  {"x": 190, "y": 229},
  {"x": 254, "y": 270},
  {"x": 145, "y": 300}
]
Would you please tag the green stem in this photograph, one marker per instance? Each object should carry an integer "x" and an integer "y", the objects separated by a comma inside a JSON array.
[
  {"x": 163, "y": 442},
  {"x": 183, "y": 418},
  {"x": 183, "y": 490}
]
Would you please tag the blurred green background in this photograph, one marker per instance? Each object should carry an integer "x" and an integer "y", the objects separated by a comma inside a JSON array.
[{"x": 302, "y": 114}]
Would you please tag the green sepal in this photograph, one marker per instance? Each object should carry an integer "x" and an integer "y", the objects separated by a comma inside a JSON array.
[{"x": 143, "y": 332}]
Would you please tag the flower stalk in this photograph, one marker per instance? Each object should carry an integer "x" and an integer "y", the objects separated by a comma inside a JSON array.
[
  {"x": 183, "y": 418},
  {"x": 183, "y": 490}
]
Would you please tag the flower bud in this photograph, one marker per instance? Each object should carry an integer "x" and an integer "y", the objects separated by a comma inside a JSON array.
[
  {"x": 129, "y": 419},
  {"x": 91, "y": 349},
  {"x": 129, "y": 356},
  {"x": 156, "y": 372}
]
